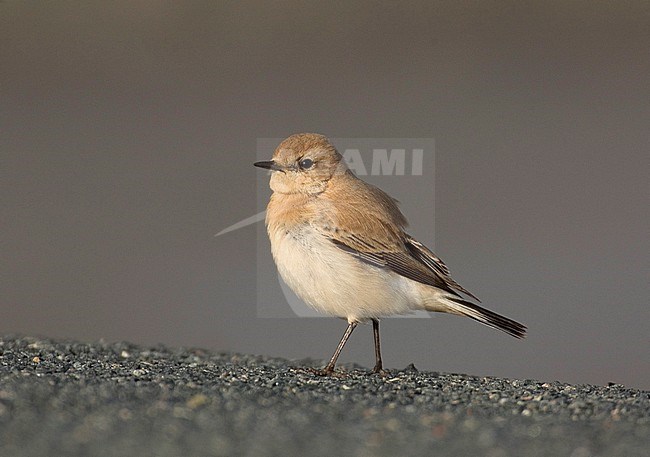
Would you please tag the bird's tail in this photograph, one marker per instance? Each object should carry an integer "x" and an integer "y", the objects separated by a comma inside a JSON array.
[{"x": 485, "y": 316}]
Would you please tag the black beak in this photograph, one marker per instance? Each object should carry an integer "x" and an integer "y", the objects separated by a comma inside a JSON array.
[{"x": 270, "y": 165}]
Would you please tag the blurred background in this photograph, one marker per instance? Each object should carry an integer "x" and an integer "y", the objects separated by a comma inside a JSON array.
[{"x": 128, "y": 132}]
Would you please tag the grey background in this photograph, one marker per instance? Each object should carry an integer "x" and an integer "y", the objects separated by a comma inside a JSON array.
[{"x": 128, "y": 130}]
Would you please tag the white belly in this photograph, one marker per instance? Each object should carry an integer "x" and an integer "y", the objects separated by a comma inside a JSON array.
[{"x": 335, "y": 282}]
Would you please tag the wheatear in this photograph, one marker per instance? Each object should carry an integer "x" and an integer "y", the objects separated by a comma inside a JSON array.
[{"x": 340, "y": 244}]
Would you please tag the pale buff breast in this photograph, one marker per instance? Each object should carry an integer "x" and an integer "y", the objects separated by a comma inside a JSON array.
[{"x": 334, "y": 282}]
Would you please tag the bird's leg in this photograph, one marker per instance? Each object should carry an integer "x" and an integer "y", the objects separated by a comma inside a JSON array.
[
  {"x": 379, "y": 369},
  {"x": 329, "y": 368}
]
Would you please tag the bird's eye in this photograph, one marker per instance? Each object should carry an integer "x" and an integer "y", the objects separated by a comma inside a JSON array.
[{"x": 306, "y": 163}]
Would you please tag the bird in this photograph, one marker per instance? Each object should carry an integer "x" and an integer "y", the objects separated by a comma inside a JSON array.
[{"x": 341, "y": 245}]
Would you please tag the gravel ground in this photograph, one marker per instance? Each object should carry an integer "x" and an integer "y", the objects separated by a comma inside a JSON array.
[{"x": 99, "y": 399}]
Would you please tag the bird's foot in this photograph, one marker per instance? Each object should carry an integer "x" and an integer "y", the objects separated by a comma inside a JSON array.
[{"x": 379, "y": 370}]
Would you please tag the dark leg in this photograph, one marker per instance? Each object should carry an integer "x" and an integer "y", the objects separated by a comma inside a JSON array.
[
  {"x": 378, "y": 364},
  {"x": 329, "y": 368}
]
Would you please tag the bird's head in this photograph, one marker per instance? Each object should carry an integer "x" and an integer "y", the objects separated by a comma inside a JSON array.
[{"x": 303, "y": 163}]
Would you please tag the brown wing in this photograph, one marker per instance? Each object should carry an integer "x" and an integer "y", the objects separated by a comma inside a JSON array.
[
  {"x": 366, "y": 222},
  {"x": 400, "y": 261},
  {"x": 424, "y": 255}
]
